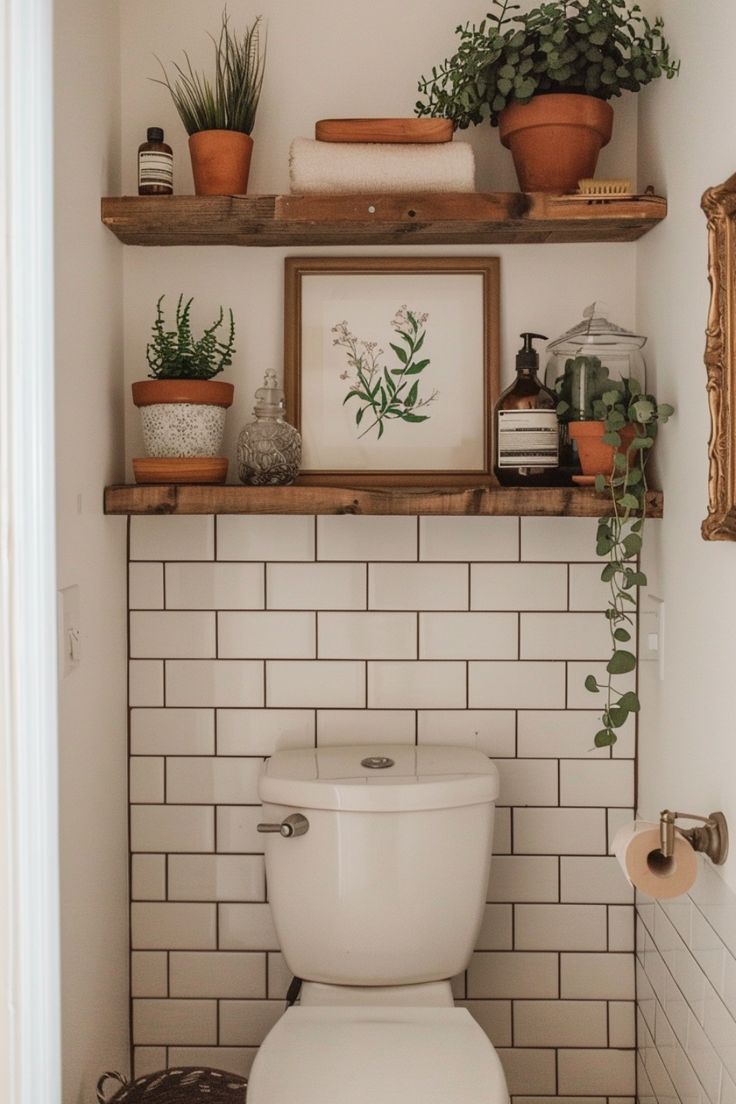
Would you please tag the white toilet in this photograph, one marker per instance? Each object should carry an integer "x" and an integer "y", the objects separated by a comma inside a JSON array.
[{"x": 377, "y": 871}]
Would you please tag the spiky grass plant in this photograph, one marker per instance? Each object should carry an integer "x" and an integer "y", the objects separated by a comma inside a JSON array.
[{"x": 230, "y": 101}]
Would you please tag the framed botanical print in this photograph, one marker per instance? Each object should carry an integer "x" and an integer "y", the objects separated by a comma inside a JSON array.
[{"x": 391, "y": 368}]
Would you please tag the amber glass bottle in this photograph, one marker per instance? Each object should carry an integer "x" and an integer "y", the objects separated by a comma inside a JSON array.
[
  {"x": 527, "y": 430},
  {"x": 155, "y": 165}
]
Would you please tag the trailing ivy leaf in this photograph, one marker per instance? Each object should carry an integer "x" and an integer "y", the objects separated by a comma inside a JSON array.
[
  {"x": 635, "y": 578},
  {"x": 600, "y": 485},
  {"x": 605, "y": 738},
  {"x": 591, "y": 684},
  {"x": 632, "y": 544},
  {"x": 608, "y": 572},
  {"x": 611, "y": 438},
  {"x": 621, "y": 662},
  {"x": 622, "y": 635},
  {"x": 629, "y": 502},
  {"x": 617, "y": 716},
  {"x": 630, "y": 702},
  {"x": 642, "y": 443}
]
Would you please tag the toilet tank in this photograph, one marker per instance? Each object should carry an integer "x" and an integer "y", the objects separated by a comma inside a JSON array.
[{"x": 388, "y": 884}]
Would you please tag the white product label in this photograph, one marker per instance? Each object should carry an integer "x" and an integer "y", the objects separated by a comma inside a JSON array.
[
  {"x": 528, "y": 439},
  {"x": 155, "y": 167}
]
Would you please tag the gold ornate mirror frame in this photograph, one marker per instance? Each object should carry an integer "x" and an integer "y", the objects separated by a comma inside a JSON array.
[{"x": 719, "y": 205}]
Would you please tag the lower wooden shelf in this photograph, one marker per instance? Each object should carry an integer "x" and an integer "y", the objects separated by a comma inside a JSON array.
[{"x": 487, "y": 500}]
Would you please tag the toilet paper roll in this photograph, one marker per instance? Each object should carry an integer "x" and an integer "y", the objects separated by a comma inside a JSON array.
[{"x": 637, "y": 847}]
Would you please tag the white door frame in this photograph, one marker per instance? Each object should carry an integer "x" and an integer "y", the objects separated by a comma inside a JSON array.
[{"x": 30, "y": 1068}]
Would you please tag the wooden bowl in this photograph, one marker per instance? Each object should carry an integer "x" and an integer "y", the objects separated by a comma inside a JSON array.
[{"x": 393, "y": 131}]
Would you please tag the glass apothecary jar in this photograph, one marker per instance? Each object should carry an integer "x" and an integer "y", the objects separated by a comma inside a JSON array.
[
  {"x": 618, "y": 350},
  {"x": 269, "y": 449}
]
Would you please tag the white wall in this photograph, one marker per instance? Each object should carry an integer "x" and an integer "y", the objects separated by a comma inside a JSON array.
[
  {"x": 91, "y": 548},
  {"x": 687, "y": 750},
  {"x": 329, "y": 58}
]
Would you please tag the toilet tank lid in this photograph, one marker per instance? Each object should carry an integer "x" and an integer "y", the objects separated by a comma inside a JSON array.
[{"x": 385, "y": 778}]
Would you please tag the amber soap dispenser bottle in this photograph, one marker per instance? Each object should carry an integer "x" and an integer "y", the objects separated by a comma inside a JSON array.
[{"x": 527, "y": 430}]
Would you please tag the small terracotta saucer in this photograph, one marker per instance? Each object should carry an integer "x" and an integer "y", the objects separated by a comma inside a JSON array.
[
  {"x": 180, "y": 469},
  {"x": 584, "y": 480}
]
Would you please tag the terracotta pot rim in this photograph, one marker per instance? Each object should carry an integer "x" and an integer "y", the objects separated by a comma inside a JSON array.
[
  {"x": 197, "y": 392},
  {"x": 595, "y": 428},
  {"x": 576, "y": 109},
  {"x": 222, "y": 130}
]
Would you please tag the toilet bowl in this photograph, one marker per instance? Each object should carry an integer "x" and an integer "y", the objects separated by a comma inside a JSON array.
[{"x": 377, "y": 861}]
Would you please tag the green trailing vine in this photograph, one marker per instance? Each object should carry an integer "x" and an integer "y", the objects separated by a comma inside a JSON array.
[
  {"x": 631, "y": 421},
  {"x": 174, "y": 354}
]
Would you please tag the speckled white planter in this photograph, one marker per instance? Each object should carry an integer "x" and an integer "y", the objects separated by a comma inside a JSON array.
[
  {"x": 182, "y": 418},
  {"x": 183, "y": 429}
]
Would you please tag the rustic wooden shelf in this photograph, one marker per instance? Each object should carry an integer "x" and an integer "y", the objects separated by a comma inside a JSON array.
[
  {"x": 302, "y": 499},
  {"x": 479, "y": 218}
]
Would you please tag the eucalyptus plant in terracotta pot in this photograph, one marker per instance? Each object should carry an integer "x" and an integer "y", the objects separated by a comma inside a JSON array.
[
  {"x": 627, "y": 422},
  {"x": 545, "y": 77},
  {"x": 219, "y": 114},
  {"x": 182, "y": 406}
]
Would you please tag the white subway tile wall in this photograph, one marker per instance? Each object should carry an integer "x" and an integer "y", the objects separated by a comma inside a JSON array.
[
  {"x": 685, "y": 968},
  {"x": 249, "y": 634}
]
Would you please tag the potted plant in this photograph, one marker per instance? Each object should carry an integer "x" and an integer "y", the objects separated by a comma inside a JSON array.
[
  {"x": 219, "y": 115},
  {"x": 182, "y": 406},
  {"x": 544, "y": 77},
  {"x": 628, "y": 421}
]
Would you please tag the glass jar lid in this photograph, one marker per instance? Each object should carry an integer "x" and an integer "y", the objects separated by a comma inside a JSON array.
[
  {"x": 270, "y": 401},
  {"x": 595, "y": 330}
]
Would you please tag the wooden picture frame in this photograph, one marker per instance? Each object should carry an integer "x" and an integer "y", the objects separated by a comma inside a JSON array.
[
  {"x": 719, "y": 205},
  {"x": 317, "y": 290}
]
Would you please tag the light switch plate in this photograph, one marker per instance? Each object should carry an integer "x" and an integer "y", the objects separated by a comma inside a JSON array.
[
  {"x": 652, "y": 632},
  {"x": 69, "y": 630}
]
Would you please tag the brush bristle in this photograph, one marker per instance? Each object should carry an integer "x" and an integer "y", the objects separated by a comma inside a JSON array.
[{"x": 593, "y": 187}]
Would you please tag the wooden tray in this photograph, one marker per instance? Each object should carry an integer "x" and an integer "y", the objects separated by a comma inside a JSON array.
[
  {"x": 394, "y": 131},
  {"x": 185, "y": 469}
]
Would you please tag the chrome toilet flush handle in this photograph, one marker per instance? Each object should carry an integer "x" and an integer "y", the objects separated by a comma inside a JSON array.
[{"x": 293, "y": 825}]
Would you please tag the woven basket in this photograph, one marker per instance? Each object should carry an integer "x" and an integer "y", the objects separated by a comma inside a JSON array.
[{"x": 185, "y": 1085}]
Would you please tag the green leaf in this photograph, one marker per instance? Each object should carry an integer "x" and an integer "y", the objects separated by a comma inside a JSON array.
[
  {"x": 611, "y": 438},
  {"x": 619, "y": 461},
  {"x": 635, "y": 578},
  {"x": 621, "y": 662},
  {"x": 642, "y": 443},
  {"x": 629, "y": 702},
  {"x": 608, "y": 572},
  {"x": 600, "y": 485},
  {"x": 416, "y": 368},
  {"x": 411, "y": 398},
  {"x": 401, "y": 354},
  {"x": 359, "y": 415},
  {"x": 665, "y": 411},
  {"x": 415, "y": 417},
  {"x": 617, "y": 716},
  {"x": 632, "y": 544},
  {"x": 350, "y": 395},
  {"x": 629, "y": 502},
  {"x": 605, "y": 738},
  {"x": 591, "y": 684},
  {"x": 622, "y": 635}
]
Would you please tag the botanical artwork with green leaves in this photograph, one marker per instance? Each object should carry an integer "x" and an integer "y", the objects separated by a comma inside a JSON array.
[{"x": 383, "y": 388}]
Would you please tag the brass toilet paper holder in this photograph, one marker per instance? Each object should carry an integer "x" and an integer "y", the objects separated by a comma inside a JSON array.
[{"x": 711, "y": 838}]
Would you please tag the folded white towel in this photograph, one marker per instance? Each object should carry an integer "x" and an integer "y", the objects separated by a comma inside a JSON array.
[{"x": 342, "y": 168}]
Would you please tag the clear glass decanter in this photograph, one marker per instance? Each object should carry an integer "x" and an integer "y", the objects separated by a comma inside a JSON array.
[{"x": 269, "y": 449}]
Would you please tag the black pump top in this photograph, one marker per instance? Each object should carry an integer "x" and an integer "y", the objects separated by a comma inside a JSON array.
[
  {"x": 154, "y": 134},
  {"x": 528, "y": 357}
]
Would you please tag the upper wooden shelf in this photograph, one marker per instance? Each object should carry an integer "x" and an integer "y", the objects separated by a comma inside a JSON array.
[
  {"x": 453, "y": 218},
  {"x": 302, "y": 499}
]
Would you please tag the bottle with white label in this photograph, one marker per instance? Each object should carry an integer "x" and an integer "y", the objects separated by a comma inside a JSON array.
[
  {"x": 155, "y": 165},
  {"x": 527, "y": 430}
]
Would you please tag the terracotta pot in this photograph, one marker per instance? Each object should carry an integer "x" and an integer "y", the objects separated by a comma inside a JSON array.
[
  {"x": 596, "y": 458},
  {"x": 555, "y": 139},
  {"x": 220, "y": 161},
  {"x": 182, "y": 418}
]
